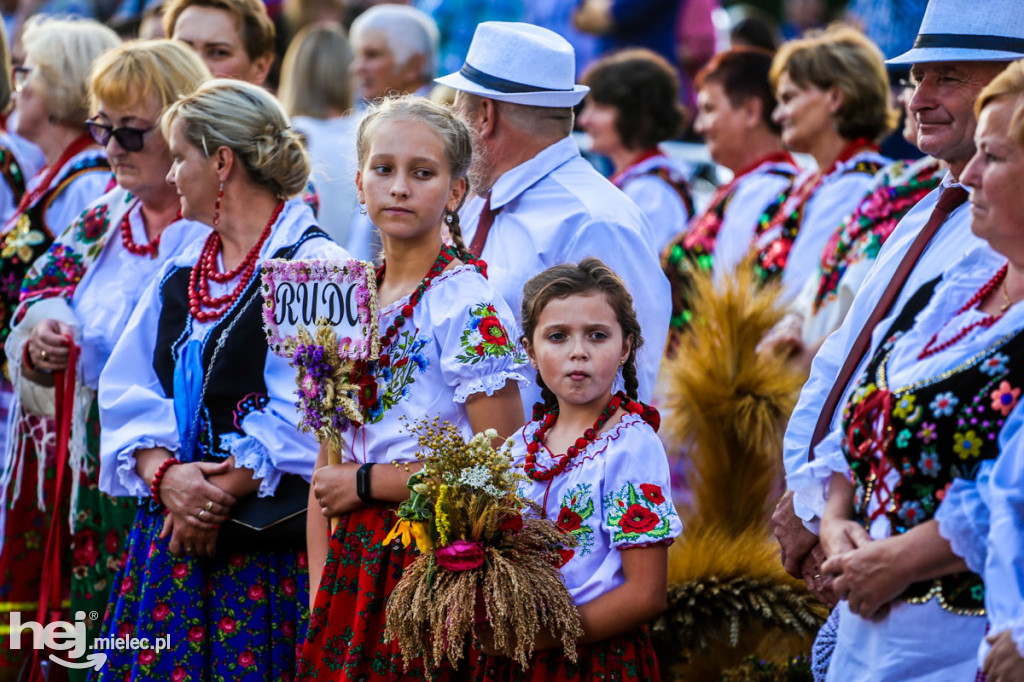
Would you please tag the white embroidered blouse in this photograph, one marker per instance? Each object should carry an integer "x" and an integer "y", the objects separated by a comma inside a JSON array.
[{"x": 614, "y": 495}]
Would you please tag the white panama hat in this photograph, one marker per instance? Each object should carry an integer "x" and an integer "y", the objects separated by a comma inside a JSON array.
[
  {"x": 957, "y": 31},
  {"x": 521, "y": 64}
]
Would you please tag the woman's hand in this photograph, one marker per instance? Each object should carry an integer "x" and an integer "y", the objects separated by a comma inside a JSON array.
[
  {"x": 786, "y": 338},
  {"x": 1003, "y": 662},
  {"x": 839, "y": 536},
  {"x": 48, "y": 345},
  {"x": 196, "y": 502},
  {"x": 334, "y": 487},
  {"x": 187, "y": 539},
  {"x": 869, "y": 577}
]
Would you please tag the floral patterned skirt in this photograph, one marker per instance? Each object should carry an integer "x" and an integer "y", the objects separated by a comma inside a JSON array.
[
  {"x": 626, "y": 658},
  {"x": 102, "y": 524},
  {"x": 24, "y": 543},
  {"x": 235, "y": 618},
  {"x": 346, "y": 628}
]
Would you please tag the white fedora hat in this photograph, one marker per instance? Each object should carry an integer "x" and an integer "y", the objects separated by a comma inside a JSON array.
[
  {"x": 519, "y": 63},
  {"x": 957, "y": 31}
]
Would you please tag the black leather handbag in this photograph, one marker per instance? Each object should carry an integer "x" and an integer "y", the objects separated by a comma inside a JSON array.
[{"x": 268, "y": 524}]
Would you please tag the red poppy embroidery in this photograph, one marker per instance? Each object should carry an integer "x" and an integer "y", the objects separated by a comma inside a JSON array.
[
  {"x": 638, "y": 519},
  {"x": 652, "y": 493}
]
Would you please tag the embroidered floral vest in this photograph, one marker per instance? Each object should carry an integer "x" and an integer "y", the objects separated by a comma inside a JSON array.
[
  {"x": 780, "y": 223},
  {"x": 29, "y": 238},
  {"x": 933, "y": 431},
  {"x": 692, "y": 251}
]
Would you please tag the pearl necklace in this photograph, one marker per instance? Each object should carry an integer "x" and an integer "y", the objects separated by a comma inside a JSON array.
[{"x": 206, "y": 269}]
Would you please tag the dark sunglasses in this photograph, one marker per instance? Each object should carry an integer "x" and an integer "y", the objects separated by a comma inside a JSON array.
[{"x": 130, "y": 139}]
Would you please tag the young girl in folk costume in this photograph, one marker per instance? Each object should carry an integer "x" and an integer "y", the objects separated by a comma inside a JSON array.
[
  {"x": 598, "y": 470},
  {"x": 445, "y": 352}
]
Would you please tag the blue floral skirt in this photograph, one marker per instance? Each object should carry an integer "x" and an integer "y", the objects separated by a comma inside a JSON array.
[{"x": 235, "y": 618}]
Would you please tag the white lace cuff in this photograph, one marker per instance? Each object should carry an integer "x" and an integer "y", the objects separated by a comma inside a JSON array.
[
  {"x": 963, "y": 522},
  {"x": 487, "y": 384},
  {"x": 252, "y": 454},
  {"x": 810, "y": 485},
  {"x": 127, "y": 476}
]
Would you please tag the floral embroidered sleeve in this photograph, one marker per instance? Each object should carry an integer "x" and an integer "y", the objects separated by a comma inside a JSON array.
[
  {"x": 58, "y": 271},
  {"x": 477, "y": 334},
  {"x": 637, "y": 509}
]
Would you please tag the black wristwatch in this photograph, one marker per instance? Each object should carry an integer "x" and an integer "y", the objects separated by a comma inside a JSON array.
[{"x": 363, "y": 483}]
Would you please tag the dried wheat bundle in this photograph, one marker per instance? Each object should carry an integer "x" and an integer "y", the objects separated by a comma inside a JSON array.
[
  {"x": 482, "y": 558},
  {"x": 729, "y": 596}
]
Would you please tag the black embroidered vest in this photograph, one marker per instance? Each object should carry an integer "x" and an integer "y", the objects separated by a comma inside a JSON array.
[
  {"x": 234, "y": 352},
  {"x": 931, "y": 432}
]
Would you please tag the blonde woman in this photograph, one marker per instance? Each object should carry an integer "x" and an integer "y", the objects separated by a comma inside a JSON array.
[
  {"x": 197, "y": 413},
  {"x": 94, "y": 274}
]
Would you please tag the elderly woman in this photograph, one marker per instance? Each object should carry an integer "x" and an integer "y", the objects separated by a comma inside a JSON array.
[
  {"x": 632, "y": 106},
  {"x": 734, "y": 114},
  {"x": 197, "y": 413},
  {"x": 851, "y": 250},
  {"x": 88, "y": 283},
  {"x": 937, "y": 403},
  {"x": 833, "y": 94},
  {"x": 52, "y": 102}
]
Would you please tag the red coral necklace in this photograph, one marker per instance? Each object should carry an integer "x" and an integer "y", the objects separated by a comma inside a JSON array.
[
  {"x": 151, "y": 249},
  {"x": 547, "y": 420},
  {"x": 206, "y": 269},
  {"x": 931, "y": 348}
]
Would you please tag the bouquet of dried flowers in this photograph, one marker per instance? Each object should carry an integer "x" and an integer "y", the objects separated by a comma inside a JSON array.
[{"x": 482, "y": 558}]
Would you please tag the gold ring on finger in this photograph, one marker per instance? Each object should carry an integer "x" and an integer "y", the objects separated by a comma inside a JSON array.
[
  {"x": 201, "y": 512},
  {"x": 209, "y": 505},
  {"x": 42, "y": 355}
]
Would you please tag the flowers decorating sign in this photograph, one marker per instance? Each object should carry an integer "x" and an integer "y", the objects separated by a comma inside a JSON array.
[{"x": 322, "y": 315}]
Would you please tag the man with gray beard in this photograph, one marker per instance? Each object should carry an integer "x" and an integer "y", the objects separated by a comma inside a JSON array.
[{"x": 538, "y": 203}]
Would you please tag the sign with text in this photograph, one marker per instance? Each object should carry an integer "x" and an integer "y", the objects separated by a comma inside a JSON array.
[{"x": 308, "y": 294}]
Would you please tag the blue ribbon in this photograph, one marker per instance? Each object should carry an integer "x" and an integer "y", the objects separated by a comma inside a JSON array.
[{"x": 188, "y": 389}]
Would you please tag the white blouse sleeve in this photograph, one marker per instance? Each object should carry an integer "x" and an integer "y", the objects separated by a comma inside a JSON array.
[
  {"x": 810, "y": 482},
  {"x": 661, "y": 204},
  {"x": 80, "y": 193},
  {"x": 637, "y": 507},
  {"x": 963, "y": 518},
  {"x": 1004, "y": 560},
  {"x": 477, "y": 337},
  {"x": 135, "y": 413},
  {"x": 270, "y": 443}
]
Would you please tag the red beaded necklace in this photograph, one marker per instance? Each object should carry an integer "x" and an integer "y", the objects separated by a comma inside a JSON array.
[
  {"x": 589, "y": 436},
  {"x": 931, "y": 348},
  {"x": 206, "y": 270},
  {"x": 128, "y": 241},
  {"x": 444, "y": 257}
]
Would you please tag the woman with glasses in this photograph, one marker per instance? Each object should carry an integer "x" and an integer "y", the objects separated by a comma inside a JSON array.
[
  {"x": 52, "y": 103},
  {"x": 94, "y": 274},
  {"x": 198, "y": 414}
]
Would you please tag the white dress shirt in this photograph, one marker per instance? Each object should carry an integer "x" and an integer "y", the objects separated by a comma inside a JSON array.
[
  {"x": 555, "y": 208},
  {"x": 953, "y": 239}
]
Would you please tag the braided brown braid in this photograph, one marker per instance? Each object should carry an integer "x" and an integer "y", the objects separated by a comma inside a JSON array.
[{"x": 451, "y": 220}]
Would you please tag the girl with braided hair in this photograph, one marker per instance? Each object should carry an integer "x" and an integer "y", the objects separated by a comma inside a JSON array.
[
  {"x": 445, "y": 352},
  {"x": 610, "y": 488}
]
